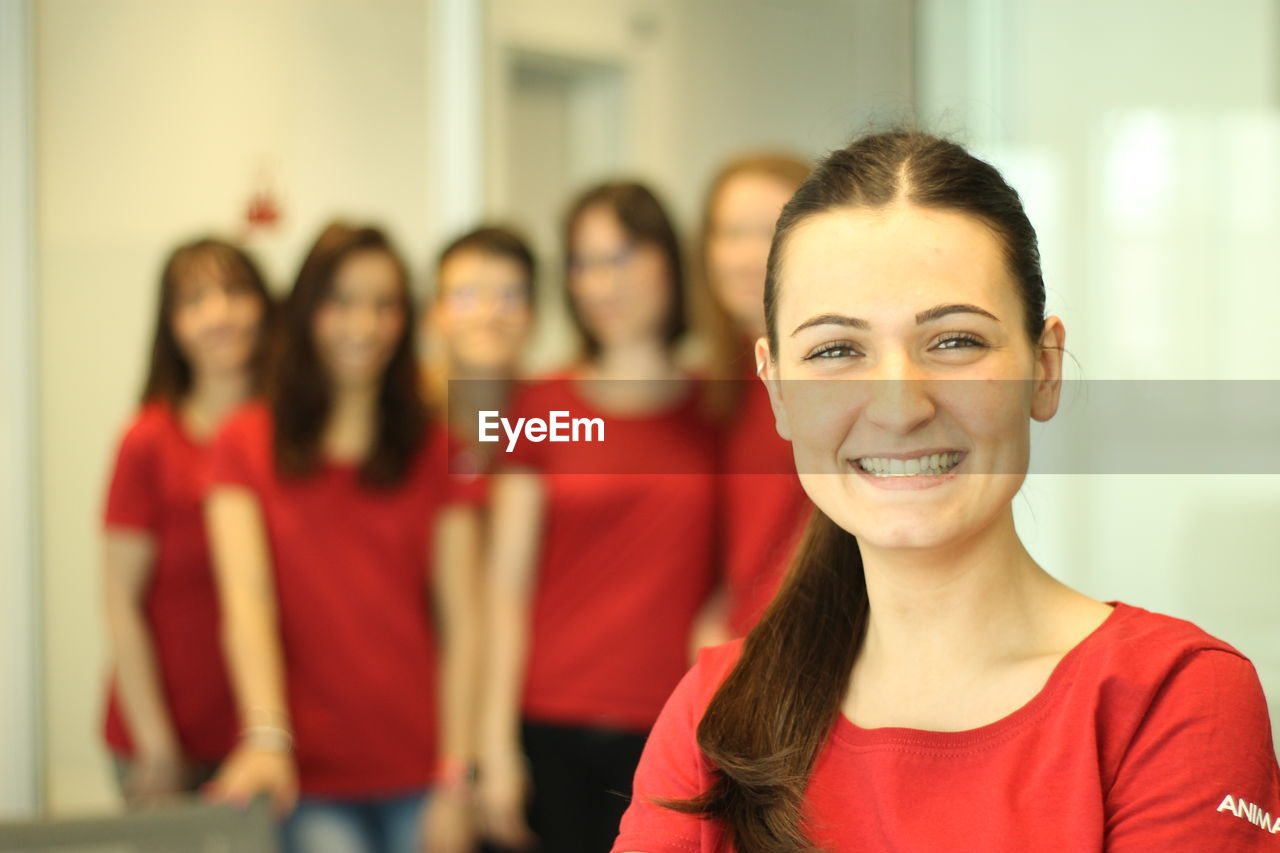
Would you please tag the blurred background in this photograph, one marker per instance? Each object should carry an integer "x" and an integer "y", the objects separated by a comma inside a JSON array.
[{"x": 1143, "y": 134}]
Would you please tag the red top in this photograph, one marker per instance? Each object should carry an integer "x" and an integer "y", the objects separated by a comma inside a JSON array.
[
  {"x": 627, "y": 559},
  {"x": 1150, "y": 735},
  {"x": 159, "y": 482},
  {"x": 351, "y": 569},
  {"x": 765, "y": 508}
]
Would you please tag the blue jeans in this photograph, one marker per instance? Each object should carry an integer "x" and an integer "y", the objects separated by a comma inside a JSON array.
[{"x": 383, "y": 825}]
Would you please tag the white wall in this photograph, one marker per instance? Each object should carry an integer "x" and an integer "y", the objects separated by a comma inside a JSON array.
[
  {"x": 1143, "y": 135},
  {"x": 154, "y": 120},
  {"x": 19, "y": 584},
  {"x": 801, "y": 76},
  {"x": 700, "y": 81}
]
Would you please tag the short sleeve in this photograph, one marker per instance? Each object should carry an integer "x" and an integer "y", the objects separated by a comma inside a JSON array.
[
  {"x": 229, "y": 459},
  {"x": 1200, "y": 773},
  {"x": 470, "y": 490},
  {"x": 673, "y": 767},
  {"x": 133, "y": 497}
]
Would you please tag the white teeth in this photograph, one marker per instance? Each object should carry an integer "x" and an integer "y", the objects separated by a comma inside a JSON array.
[{"x": 930, "y": 465}]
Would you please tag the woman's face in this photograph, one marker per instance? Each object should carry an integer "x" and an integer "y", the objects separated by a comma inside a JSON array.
[
  {"x": 359, "y": 324},
  {"x": 216, "y": 317},
  {"x": 482, "y": 313},
  {"x": 743, "y": 214},
  {"x": 622, "y": 289},
  {"x": 932, "y": 445}
]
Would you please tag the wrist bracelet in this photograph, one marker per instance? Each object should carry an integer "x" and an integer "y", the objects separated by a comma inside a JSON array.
[
  {"x": 274, "y": 738},
  {"x": 266, "y": 717},
  {"x": 452, "y": 773}
]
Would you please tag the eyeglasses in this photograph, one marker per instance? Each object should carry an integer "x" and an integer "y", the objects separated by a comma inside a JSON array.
[
  {"x": 466, "y": 298},
  {"x": 613, "y": 261}
]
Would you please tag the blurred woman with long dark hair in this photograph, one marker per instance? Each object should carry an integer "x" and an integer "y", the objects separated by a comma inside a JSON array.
[
  {"x": 171, "y": 717},
  {"x": 343, "y": 633}
]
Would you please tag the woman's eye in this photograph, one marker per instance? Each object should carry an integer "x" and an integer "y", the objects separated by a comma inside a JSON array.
[
  {"x": 960, "y": 341},
  {"x": 832, "y": 350}
]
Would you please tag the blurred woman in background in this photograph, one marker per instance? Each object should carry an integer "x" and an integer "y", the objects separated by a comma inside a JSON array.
[
  {"x": 603, "y": 553},
  {"x": 170, "y": 715},
  {"x": 478, "y": 322},
  {"x": 764, "y": 507},
  {"x": 322, "y": 517}
]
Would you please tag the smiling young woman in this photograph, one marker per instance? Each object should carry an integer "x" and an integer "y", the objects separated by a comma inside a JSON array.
[
  {"x": 920, "y": 683},
  {"x": 346, "y": 624},
  {"x": 170, "y": 715}
]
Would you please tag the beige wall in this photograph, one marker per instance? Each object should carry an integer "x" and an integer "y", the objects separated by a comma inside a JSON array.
[
  {"x": 1143, "y": 136},
  {"x": 153, "y": 120}
]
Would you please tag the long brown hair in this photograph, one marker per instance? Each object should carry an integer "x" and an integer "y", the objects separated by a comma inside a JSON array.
[
  {"x": 300, "y": 391},
  {"x": 726, "y": 353},
  {"x": 645, "y": 220},
  {"x": 169, "y": 373},
  {"x": 766, "y": 724}
]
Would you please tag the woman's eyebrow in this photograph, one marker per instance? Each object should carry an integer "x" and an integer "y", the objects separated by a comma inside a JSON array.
[
  {"x": 832, "y": 320},
  {"x": 934, "y": 313},
  {"x": 938, "y": 311}
]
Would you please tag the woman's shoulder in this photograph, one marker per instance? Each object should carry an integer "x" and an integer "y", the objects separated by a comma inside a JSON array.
[
  {"x": 1141, "y": 634},
  {"x": 1140, "y": 659},
  {"x": 710, "y": 668},
  {"x": 153, "y": 421}
]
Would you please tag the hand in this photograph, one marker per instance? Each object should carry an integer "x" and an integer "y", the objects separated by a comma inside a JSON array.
[
  {"x": 252, "y": 770},
  {"x": 154, "y": 778},
  {"x": 448, "y": 825},
  {"x": 502, "y": 792}
]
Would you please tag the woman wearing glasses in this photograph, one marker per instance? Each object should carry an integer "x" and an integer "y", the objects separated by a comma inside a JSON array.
[{"x": 603, "y": 552}]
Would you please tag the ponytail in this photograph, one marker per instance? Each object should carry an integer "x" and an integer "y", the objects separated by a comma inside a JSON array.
[{"x": 764, "y": 727}]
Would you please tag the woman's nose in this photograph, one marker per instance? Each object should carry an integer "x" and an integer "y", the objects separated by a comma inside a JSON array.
[
  {"x": 361, "y": 321},
  {"x": 597, "y": 281},
  {"x": 899, "y": 394},
  {"x": 216, "y": 305}
]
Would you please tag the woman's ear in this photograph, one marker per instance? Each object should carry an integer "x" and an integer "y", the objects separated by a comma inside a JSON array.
[
  {"x": 767, "y": 370},
  {"x": 1048, "y": 372}
]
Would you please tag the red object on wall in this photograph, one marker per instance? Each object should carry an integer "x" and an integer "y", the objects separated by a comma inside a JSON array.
[{"x": 263, "y": 211}]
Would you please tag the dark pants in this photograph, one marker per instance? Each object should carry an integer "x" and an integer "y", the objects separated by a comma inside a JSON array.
[{"x": 581, "y": 784}]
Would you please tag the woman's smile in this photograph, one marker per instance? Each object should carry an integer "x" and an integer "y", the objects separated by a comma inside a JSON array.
[{"x": 909, "y": 471}]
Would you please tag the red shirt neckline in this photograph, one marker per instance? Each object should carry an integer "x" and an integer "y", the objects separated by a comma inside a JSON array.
[
  {"x": 687, "y": 398},
  {"x": 855, "y": 736},
  {"x": 174, "y": 414}
]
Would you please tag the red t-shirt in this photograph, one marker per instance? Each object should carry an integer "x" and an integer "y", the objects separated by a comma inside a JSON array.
[
  {"x": 351, "y": 570},
  {"x": 158, "y": 485},
  {"x": 627, "y": 558},
  {"x": 764, "y": 507},
  {"x": 1150, "y": 736}
]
